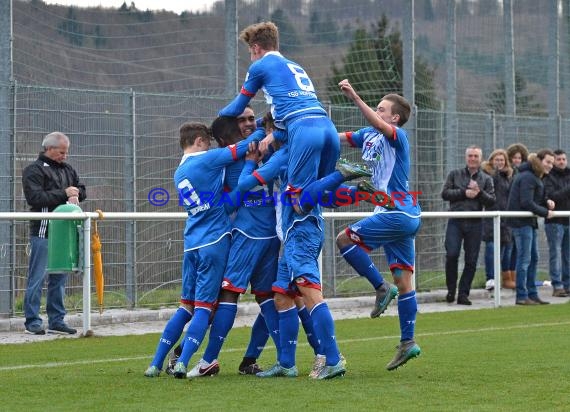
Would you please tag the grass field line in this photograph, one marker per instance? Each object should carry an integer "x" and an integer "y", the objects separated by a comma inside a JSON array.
[{"x": 368, "y": 339}]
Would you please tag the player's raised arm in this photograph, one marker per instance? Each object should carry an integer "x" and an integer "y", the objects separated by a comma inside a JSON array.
[
  {"x": 237, "y": 105},
  {"x": 370, "y": 114}
]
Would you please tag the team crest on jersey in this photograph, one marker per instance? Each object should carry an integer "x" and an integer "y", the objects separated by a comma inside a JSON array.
[{"x": 225, "y": 284}]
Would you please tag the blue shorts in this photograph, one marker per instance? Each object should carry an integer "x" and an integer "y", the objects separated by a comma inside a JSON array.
[
  {"x": 301, "y": 249},
  {"x": 251, "y": 261},
  {"x": 285, "y": 285},
  {"x": 202, "y": 273},
  {"x": 314, "y": 148},
  {"x": 395, "y": 231}
]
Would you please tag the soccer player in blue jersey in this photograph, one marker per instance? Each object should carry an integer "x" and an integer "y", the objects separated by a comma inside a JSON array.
[
  {"x": 313, "y": 151},
  {"x": 252, "y": 261},
  {"x": 298, "y": 273},
  {"x": 199, "y": 181},
  {"x": 313, "y": 143},
  {"x": 385, "y": 149},
  {"x": 259, "y": 334}
]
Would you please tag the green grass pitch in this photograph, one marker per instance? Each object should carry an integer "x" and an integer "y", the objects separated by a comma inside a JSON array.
[{"x": 508, "y": 359}]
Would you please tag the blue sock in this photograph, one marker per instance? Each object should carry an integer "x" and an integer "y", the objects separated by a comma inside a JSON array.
[
  {"x": 221, "y": 326},
  {"x": 194, "y": 334},
  {"x": 361, "y": 262},
  {"x": 307, "y": 323},
  {"x": 407, "y": 309},
  {"x": 170, "y": 335},
  {"x": 271, "y": 318},
  {"x": 288, "y": 331},
  {"x": 313, "y": 194},
  {"x": 258, "y": 339},
  {"x": 324, "y": 329}
]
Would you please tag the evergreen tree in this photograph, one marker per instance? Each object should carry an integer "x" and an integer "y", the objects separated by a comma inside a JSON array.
[
  {"x": 289, "y": 42},
  {"x": 124, "y": 8},
  {"x": 323, "y": 31},
  {"x": 524, "y": 101},
  {"x": 374, "y": 65},
  {"x": 100, "y": 39},
  {"x": 71, "y": 28}
]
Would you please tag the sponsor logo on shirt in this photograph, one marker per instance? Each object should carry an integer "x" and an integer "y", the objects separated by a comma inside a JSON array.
[{"x": 199, "y": 209}]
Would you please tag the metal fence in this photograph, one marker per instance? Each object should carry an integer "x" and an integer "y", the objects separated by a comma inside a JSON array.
[
  {"x": 493, "y": 73},
  {"x": 125, "y": 144}
]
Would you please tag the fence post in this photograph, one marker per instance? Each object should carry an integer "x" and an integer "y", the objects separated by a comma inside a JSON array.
[
  {"x": 6, "y": 161},
  {"x": 86, "y": 277},
  {"x": 553, "y": 88},
  {"x": 451, "y": 87},
  {"x": 497, "y": 258},
  {"x": 231, "y": 48},
  {"x": 510, "y": 101},
  {"x": 131, "y": 200},
  {"x": 408, "y": 37}
]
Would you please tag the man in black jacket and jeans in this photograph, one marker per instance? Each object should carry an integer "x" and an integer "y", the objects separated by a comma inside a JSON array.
[
  {"x": 48, "y": 183},
  {"x": 468, "y": 190},
  {"x": 557, "y": 189}
]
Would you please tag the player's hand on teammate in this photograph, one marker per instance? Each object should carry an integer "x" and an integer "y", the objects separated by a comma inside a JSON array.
[
  {"x": 265, "y": 143},
  {"x": 253, "y": 152}
]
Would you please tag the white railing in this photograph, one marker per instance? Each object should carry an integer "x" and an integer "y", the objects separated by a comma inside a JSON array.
[{"x": 87, "y": 217}]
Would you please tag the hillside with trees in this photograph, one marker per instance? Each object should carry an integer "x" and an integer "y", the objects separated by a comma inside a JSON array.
[{"x": 163, "y": 52}]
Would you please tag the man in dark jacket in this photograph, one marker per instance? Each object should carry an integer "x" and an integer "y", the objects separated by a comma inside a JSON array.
[
  {"x": 468, "y": 190},
  {"x": 48, "y": 183},
  {"x": 527, "y": 194},
  {"x": 557, "y": 188}
]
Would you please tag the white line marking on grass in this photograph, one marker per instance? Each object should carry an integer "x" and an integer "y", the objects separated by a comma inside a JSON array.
[{"x": 427, "y": 334}]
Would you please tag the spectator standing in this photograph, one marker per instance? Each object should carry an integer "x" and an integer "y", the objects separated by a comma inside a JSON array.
[
  {"x": 557, "y": 188},
  {"x": 500, "y": 170},
  {"x": 48, "y": 183},
  {"x": 467, "y": 190},
  {"x": 527, "y": 194},
  {"x": 518, "y": 154}
]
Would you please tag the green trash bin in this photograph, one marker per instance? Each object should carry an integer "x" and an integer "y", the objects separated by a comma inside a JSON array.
[{"x": 63, "y": 242}]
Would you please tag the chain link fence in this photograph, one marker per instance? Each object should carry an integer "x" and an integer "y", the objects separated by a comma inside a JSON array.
[
  {"x": 481, "y": 72},
  {"x": 125, "y": 146}
]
